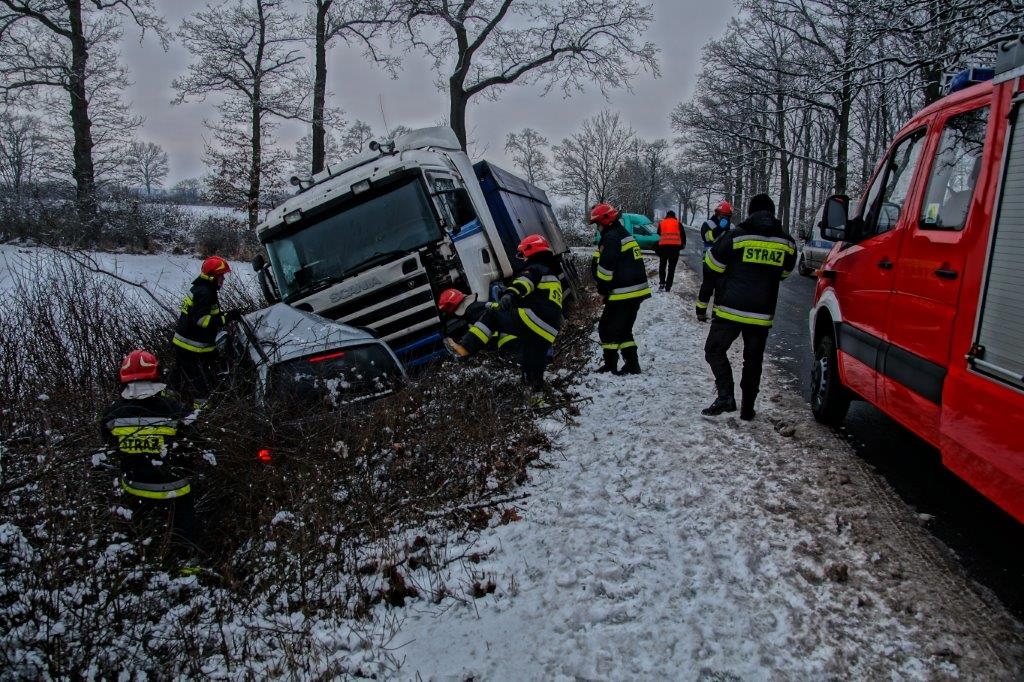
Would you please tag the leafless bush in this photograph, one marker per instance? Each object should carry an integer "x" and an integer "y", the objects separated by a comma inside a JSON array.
[
  {"x": 224, "y": 236},
  {"x": 360, "y": 508}
]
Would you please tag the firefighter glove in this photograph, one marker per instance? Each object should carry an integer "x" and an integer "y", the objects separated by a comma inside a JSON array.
[
  {"x": 505, "y": 303},
  {"x": 702, "y": 314},
  {"x": 232, "y": 315}
]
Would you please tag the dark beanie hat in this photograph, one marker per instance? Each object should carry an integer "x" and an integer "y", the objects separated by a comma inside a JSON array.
[{"x": 761, "y": 202}]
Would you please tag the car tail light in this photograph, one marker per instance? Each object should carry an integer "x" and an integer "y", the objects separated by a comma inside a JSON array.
[
  {"x": 264, "y": 455},
  {"x": 327, "y": 356}
]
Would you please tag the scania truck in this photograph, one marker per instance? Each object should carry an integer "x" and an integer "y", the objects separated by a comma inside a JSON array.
[
  {"x": 373, "y": 240},
  {"x": 919, "y": 307}
]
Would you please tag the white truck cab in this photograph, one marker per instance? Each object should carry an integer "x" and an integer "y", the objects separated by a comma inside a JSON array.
[{"x": 373, "y": 240}]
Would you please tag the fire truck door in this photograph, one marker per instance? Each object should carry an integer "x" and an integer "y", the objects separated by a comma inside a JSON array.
[
  {"x": 865, "y": 271},
  {"x": 930, "y": 268}
]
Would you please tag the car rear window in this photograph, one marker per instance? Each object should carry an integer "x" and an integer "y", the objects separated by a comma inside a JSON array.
[{"x": 336, "y": 377}]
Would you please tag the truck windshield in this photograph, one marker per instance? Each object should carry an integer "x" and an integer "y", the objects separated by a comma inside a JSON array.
[{"x": 375, "y": 226}]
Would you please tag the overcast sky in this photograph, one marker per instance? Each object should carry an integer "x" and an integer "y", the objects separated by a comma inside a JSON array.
[{"x": 681, "y": 27}]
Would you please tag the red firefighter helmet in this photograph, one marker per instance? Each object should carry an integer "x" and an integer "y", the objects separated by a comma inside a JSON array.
[
  {"x": 533, "y": 245},
  {"x": 215, "y": 267},
  {"x": 449, "y": 301},
  {"x": 724, "y": 207},
  {"x": 603, "y": 214},
  {"x": 139, "y": 365}
]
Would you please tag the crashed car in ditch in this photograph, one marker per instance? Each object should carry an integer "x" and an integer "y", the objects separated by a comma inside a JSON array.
[{"x": 303, "y": 360}]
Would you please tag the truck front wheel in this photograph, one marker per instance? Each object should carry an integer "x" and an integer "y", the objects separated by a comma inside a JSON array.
[{"x": 829, "y": 398}]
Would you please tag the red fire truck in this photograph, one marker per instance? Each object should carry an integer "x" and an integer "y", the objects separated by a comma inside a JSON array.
[{"x": 919, "y": 307}]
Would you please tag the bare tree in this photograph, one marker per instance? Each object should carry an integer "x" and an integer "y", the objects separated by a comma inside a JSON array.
[
  {"x": 353, "y": 140},
  {"x": 589, "y": 160},
  {"x": 527, "y": 150},
  {"x": 188, "y": 190},
  {"x": 21, "y": 143},
  {"x": 685, "y": 183},
  {"x": 147, "y": 165},
  {"x": 352, "y": 21},
  {"x": 249, "y": 53},
  {"x": 304, "y": 150},
  {"x": 485, "y": 45},
  {"x": 48, "y": 45}
]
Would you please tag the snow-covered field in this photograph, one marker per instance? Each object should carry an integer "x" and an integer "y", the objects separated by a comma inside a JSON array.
[
  {"x": 166, "y": 276},
  {"x": 663, "y": 545}
]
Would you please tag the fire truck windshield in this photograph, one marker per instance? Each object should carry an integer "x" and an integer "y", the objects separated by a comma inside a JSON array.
[{"x": 373, "y": 227}]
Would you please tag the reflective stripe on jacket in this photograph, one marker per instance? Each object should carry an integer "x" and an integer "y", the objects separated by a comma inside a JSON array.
[
  {"x": 200, "y": 319},
  {"x": 621, "y": 273},
  {"x": 145, "y": 433},
  {"x": 539, "y": 298},
  {"x": 744, "y": 268},
  {"x": 670, "y": 233}
]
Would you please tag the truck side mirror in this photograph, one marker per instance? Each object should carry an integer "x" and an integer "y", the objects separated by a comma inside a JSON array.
[
  {"x": 258, "y": 262},
  {"x": 267, "y": 285},
  {"x": 834, "y": 218}
]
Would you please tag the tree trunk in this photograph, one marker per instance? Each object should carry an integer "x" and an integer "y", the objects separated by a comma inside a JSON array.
[
  {"x": 84, "y": 172},
  {"x": 785, "y": 191},
  {"x": 320, "y": 86},
  {"x": 457, "y": 111},
  {"x": 255, "y": 170},
  {"x": 804, "y": 170},
  {"x": 843, "y": 137}
]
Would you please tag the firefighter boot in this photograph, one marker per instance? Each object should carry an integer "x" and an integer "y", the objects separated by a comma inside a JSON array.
[
  {"x": 611, "y": 362},
  {"x": 631, "y": 364},
  {"x": 725, "y": 402},
  {"x": 747, "y": 407}
]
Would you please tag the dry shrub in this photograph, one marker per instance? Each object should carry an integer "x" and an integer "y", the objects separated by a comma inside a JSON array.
[{"x": 366, "y": 505}]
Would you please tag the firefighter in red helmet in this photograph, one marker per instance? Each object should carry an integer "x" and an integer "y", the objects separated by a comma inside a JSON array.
[
  {"x": 530, "y": 308},
  {"x": 195, "y": 336},
  {"x": 459, "y": 311},
  {"x": 143, "y": 427},
  {"x": 717, "y": 225},
  {"x": 622, "y": 282}
]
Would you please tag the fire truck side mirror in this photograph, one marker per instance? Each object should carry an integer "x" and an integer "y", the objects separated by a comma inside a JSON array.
[{"x": 834, "y": 218}]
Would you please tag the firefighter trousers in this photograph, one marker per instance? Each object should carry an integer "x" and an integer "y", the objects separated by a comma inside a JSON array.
[
  {"x": 196, "y": 373},
  {"x": 615, "y": 328},
  {"x": 721, "y": 336},
  {"x": 533, "y": 349},
  {"x": 175, "y": 519}
]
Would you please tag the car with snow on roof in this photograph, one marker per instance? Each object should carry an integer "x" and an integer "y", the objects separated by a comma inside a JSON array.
[{"x": 310, "y": 361}]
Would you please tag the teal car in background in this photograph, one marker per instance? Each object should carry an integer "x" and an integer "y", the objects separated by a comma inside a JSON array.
[{"x": 641, "y": 227}]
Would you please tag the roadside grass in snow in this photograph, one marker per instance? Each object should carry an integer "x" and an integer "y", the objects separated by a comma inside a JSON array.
[{"x": 359, "y": 508}]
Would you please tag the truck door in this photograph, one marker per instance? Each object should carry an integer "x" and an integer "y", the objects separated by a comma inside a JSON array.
[
  {"x": 864, "y": 271},
  {"x": 930, "y": 269}
]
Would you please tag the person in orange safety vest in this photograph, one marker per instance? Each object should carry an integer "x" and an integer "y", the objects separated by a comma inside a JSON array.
[{"x": 671, "y": 240}]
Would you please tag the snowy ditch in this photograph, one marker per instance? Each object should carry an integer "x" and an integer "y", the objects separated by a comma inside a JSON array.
[{"x": 647, "y": 543}]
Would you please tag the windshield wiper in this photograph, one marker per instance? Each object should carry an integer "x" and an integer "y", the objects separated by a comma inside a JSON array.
[
  {"x": 313, "y": 287},
  {"x": 378, "y": 258}
]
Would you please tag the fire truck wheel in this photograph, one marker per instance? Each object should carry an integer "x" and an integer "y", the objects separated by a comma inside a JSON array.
[{"x": 829, "y": 398}]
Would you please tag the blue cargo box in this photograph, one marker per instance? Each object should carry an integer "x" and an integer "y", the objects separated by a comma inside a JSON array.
[{"x": 518, "y": 208}]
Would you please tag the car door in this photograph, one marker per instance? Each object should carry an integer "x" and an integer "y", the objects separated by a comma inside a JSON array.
[
  {"x": 863, "y": 272},
  {"x": 930, "y": 268}
]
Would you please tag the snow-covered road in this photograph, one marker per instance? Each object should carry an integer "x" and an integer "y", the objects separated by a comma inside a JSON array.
[{"x": 662, "y": 545}]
